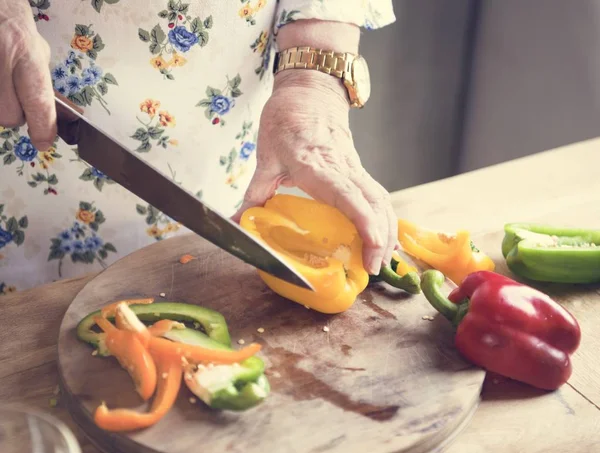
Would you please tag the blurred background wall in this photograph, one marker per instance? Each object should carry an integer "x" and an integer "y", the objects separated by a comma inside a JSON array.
[{"x": 463, "y": 84}]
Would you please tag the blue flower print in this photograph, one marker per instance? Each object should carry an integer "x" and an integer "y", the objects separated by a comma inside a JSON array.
[
  {"x": 65, "y": 236},
  {"x": 73, "y": 84},
  {"x": 60, "y": 72},
  {"x": 218, "y": 102},
  {"x": 62, "y": 89},
  {"x": 92, "y": 75},
  {"x": 182, "y": 39},
  {"x": 82, "y": 242},
  {"x": 93, "y": 243},
  {"x": 97, "y": 173},
  {"x": 5, "y": 237},
  {"x": 78, "y": 246},
  {"x": 24, "y": 150},
  {"x": 221, "y": 104},
  {"x": 77, "y": 230},
  {"x": 246, "y": 150},
  {"x": 71, "y": 58},
  {"x": 66, "y": 247}
]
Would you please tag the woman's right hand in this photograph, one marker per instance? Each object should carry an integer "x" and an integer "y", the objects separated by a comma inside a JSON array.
[{"x": 26, "y": 93}]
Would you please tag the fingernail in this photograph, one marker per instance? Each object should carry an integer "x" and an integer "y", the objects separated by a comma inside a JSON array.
[{"x": 375, "y": 265}]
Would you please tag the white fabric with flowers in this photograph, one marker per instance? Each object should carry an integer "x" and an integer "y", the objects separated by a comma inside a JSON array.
[{"x": 181, "y": 83}]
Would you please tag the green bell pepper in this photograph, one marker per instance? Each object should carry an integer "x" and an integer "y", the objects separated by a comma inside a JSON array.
[
  {"x": 226, "y": 387},
  {"x": 551, "y": 254},
  {"x": 211, "y": 321},
  {"x": 409, "y": 282}
]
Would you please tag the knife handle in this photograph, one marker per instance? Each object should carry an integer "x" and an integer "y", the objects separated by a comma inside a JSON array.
[{"x": 67, "y": 121}]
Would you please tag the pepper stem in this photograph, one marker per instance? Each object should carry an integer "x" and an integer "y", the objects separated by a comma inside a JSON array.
[
  {"x": 431, "y": 284},
  {"x": 410, "y": 282}
]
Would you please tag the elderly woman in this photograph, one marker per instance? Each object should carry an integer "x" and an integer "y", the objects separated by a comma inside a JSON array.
[{"x": 213, "y": 92}]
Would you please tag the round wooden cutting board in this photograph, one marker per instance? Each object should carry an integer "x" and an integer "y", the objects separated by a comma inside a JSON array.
[{"x": 381, "y": 380}]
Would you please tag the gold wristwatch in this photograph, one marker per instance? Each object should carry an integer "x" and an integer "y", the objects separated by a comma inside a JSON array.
[{"x": 350, "y": 68}]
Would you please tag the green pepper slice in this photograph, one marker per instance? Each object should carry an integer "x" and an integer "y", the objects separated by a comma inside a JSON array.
[
  {"x": 245, "y": 385},
  {"x": 552, "y": 254},
  {"x": 211, "y": 321},
  {"x": 410, "y": 282}
]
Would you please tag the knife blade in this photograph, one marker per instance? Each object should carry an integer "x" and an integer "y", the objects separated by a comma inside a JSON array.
[{"x": 113, "y": 159}]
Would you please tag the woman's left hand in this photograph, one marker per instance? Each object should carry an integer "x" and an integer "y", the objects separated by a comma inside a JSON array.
[{"x": 304, "y": 141}]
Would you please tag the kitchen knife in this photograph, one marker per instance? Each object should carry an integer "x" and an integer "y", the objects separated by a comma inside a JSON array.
[{"x": 121, "y": 165}]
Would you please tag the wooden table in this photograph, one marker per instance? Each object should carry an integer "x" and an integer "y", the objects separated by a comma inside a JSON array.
[{"x": 561, "y": 186}]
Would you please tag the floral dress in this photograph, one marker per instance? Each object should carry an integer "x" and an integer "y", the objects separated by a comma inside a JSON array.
[{"x": 181, "y": 83}]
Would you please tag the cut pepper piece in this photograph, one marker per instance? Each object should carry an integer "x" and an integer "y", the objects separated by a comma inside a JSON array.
[
  {"x": 234, "y": 386},
  {"x": 131, "y": 354},
  {"x": 551, "y": 254},
  {"x": 455, "y": 256},
  {"x": 199, "y": 354},
  {"x": 170, "y": 372},
  {"x": 319, "y": 242},
  {"x": 245, "y": 387},
  {"x": 212, "y": 322}
]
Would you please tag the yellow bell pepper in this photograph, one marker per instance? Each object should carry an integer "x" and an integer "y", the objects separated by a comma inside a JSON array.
[
  {"x": 455, "y": 256},
  {"x": 319, "y": 242}
]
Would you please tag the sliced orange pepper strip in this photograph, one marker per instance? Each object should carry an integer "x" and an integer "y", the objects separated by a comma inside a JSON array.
[
  {"x": 110, "y": 309},
  {"x": 132, "y": 356},
  {"x": 198, "y": 354},
  {"x": 170, "y": 372},
  {"x": 164, "y": 326}
]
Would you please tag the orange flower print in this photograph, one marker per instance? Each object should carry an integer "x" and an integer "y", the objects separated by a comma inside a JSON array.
[
  {"x": 149, "y": 106},
  {"x": 246, "y": 11},
  {"x": 159, "y": 63},
  {"x": 82, "y": 43},
  {"x": 166, "y": 119},
  {"x": 154, "y": 231},
  {"x": 85, "y": 216},
  {"x": 178, "y": 32},
  {"x": 153, "y": 129},
  {"x": 177, "y": 60}
]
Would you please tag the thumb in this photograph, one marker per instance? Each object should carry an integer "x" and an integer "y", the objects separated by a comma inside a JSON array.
[{"x": 262, "y": 186}]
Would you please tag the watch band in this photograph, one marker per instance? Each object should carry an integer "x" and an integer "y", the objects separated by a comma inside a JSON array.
[{"x": 329, "y": 62}]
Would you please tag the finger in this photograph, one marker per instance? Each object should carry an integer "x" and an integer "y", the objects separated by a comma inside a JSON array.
[
  {"x": 262, "y": 186},
  {"x": 34, "y": 89},
  {"x": 11, "y": 113},
  {"x": 392, "y": 233},
  {"x": 332, "y": 188},
  {"x": 377, "y": 197}
]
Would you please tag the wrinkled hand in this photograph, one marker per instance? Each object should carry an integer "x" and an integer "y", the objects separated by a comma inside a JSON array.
[
  {"x": 304, "y": 140},
  {"x": 26, "y": 94}
]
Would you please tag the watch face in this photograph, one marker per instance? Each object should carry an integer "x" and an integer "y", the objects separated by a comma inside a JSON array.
[{"x": 360, "y": 73}]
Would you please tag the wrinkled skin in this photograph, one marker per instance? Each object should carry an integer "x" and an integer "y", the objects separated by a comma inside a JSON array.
[
  {"x": 304, "y": 140},
  {"x": 26, "y": 94}
]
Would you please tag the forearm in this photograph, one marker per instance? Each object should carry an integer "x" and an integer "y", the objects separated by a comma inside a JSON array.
[{"x": 320, "y": 34}]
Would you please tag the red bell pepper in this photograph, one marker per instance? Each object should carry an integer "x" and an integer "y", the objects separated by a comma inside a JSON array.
[{"x": 508, "y": 328}]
